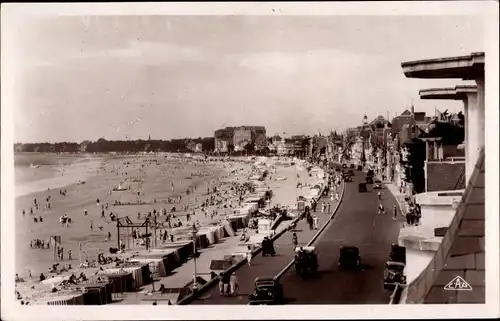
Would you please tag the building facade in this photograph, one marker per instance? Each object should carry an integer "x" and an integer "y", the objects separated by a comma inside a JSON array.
[{"x": 237, "y": 138}]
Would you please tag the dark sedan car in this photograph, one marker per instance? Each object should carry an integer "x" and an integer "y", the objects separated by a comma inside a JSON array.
[
  {"x": 267, "y": 291},
  {"x": 349, "y": 258}
]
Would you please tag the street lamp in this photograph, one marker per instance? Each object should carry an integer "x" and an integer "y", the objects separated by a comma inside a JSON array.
[{"x": 194, "y": 231}]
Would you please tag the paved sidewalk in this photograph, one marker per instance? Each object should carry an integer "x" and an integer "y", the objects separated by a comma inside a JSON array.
[
  {"x": 269, "y": 266},
  {"x": 400, "y": 197}
]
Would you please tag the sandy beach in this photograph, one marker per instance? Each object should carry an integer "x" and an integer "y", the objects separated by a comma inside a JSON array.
[
  {"x": 181, "y": 190},
  {"x": 150, "y": 176}
]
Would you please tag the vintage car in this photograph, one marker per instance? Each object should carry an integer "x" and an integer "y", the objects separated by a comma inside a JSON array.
[
  {"x": 369, "y": 180},
  {"x": 267, "y": 291},
  {"x": 377, "y": 184},
  {"x": 398, "y": 253},
  {"x": 393, "y": 274},
  {"x": 348, "y": 178},
  {"x": 345, "y": 175},
  {"x": 362, "y": 187},
  {"x": 351, "y": 166},
  {"x": 306, "y": 260},
  {"x": 349, "y": 258},
  {"x": 351, "y": 172},
  {"x": 360, "y": 168}
]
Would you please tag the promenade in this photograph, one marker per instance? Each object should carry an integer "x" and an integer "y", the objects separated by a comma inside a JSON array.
[{"x": 270, "y": 266}]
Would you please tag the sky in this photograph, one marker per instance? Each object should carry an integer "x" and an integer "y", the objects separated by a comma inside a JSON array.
[{"x": 127, "y": 77}]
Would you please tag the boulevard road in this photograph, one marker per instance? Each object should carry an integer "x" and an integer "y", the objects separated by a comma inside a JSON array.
[{"x": 356, "y": 223}]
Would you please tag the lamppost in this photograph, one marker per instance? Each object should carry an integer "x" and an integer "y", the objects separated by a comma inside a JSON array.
[{"x": 194, "y": 231}]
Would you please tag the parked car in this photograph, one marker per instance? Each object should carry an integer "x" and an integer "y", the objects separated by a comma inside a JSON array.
[
  {"x": 362, "y": 187},
  {"x": 393, "y": 274},
  {"x": 360, "y": 168},
  {"x": 267, "y": 291},
  {"x": 369, "y": 180},
  {"x": 349, "y": 258},
  {"x": 351, "y": 172},
  {"x": 398, "y": 253}
]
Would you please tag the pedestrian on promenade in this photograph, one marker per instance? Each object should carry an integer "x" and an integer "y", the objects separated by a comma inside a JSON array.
[
  {"x": 329, "y": 208},
  {"x": 337, "y": 197},
  {"x": 381, "y": 209},
  {"x": 233, "y": 284},
  {"x": 315, "y": 221},
  {"x": 295, "y": 240},
  {"x": 249, "y": 256},
  {"x": 394, "y": 212},
  {"x": 221, "y": 283}
]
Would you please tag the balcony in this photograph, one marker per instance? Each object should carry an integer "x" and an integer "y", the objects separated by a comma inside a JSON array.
[
  {"x": 455, "y": 249},
  {"x": 421, "y": 242}
]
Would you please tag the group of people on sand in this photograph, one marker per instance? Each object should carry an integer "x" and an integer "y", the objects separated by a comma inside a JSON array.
[
  {"x": 65, "y": 220},
  {"x": 36, "y": 207},
  {"x": 60, "y": 253},
  {"x": 39, "y": 244}
]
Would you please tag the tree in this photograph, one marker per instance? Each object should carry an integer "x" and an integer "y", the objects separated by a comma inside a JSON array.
[{"x": 415, "y": 166}]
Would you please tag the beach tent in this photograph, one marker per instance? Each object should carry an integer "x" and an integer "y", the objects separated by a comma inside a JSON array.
[
  {"x": 121, "y": 282},
  {"x": 98, "y": 293},
  {"x": 229, "y": 227}
]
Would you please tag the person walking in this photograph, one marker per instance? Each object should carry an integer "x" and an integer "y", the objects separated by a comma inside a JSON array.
[
  {"x": 329, "y": 208},
  {"x": 233, "y": 284},
  {"x": 249, "y": 256},
  {"x": 381, "y": 209},
  {"x": 221, "y": 284},
  {"x": 394, "y": 212},
  {"x": 295, "y": 240}
]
